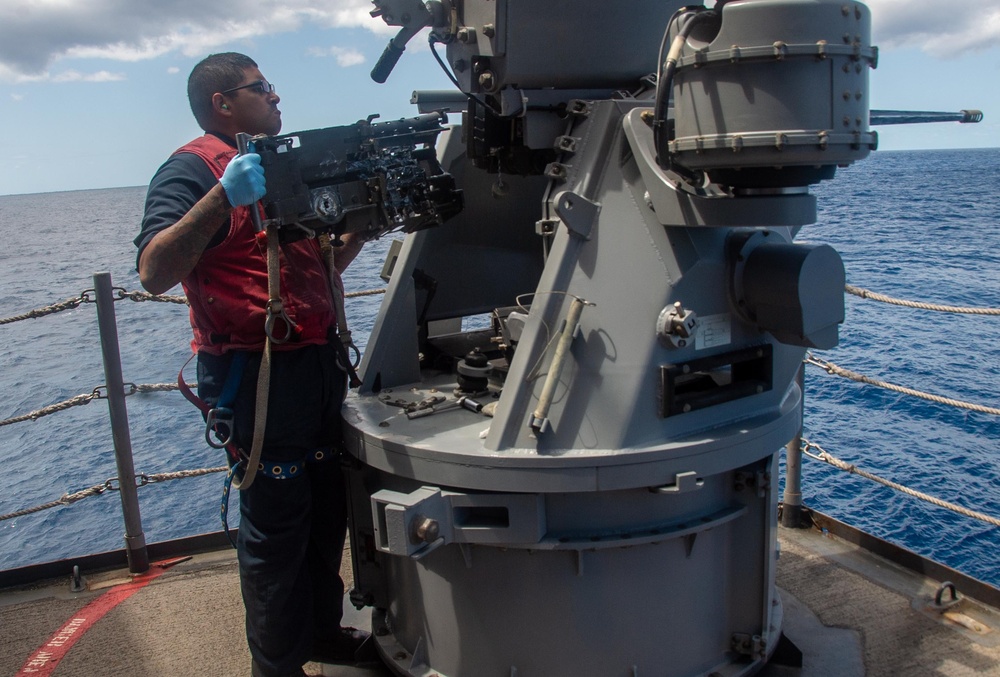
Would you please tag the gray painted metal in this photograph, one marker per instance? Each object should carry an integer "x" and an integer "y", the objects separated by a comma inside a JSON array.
[
  {"x": 764, "y": 90},
  {"x": 628, "y": 525},
  {"x": 791, "y": 499},
  {"x": 135, "y": 539},
  {"x": 536, "y": 45}
]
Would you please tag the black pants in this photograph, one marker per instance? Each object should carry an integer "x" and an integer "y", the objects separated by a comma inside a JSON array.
[{"x": 292, "y": 531}]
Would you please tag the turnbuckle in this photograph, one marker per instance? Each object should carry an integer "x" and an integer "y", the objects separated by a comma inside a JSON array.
[{"x": 219, "y": 420}]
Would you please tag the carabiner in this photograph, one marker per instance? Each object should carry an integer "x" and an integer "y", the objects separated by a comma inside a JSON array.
[
  {"x": 271, "y": 316},
  {"x": 219, "y": 421}
]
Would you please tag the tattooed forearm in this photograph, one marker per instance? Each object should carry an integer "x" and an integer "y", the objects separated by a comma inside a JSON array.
[{"x": 174, "y": 252}]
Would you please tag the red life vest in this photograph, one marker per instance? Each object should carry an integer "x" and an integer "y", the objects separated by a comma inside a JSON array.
[{"x": 227, "y": 289}]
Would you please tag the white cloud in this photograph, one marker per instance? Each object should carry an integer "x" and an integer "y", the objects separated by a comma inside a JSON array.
[
  {"x": 9, "y": 75},
  {"x": 173, "y": 70},
  {"x": 345, "y": 57},
  {"x": 17, "y": 97},
  {"x": 942, "y": 29},
  {"x": 35, "y": 34},
  {"x": 99, "y": 76}
]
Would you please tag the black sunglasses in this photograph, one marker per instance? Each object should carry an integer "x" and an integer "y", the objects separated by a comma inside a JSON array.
[{"x": 262, "y": 87}]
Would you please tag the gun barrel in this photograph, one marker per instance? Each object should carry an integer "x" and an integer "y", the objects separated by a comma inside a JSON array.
[
  {"x": 417, "y": 123},
  {"x": 911, "y": 117}
]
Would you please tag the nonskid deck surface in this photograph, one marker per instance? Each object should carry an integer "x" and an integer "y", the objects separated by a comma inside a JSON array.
[
  {"x": 188, "y": 622},
  {"x": 849, "y": 612}
]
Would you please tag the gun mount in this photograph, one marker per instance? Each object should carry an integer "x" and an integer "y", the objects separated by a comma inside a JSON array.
[
  {"x": 368, "y": 178},
  {"x": 565, "y": 441}
]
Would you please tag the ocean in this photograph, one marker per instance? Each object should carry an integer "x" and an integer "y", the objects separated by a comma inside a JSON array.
[{"x": 917, "y": 225}]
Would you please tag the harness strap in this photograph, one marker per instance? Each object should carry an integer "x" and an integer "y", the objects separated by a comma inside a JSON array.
[
  {"x": 190, "y": 396},
  {"x": 226, "y": 487},
  {"x": 264, "y": 375},
  {"x": 344, "y": 341},
  {"x": 292, "y": 469},
  {"x": 219, "y": 419},
  {"x": 274, "y": 470},
  {"x": 188, "y": 393}
]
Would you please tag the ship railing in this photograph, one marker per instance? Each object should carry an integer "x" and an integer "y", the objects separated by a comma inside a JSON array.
[
  {"x": 792, "y": 508},
  {"x": 116, "y": 390}
]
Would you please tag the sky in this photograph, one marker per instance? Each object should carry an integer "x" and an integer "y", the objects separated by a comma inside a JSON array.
[{"x": 93, "y": 92}]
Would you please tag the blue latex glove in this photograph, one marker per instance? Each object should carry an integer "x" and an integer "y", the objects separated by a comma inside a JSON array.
[{"x": 243, "y": 180}]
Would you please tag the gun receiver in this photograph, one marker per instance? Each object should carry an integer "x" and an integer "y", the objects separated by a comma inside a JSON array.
[{"x": 367, "y": 178}]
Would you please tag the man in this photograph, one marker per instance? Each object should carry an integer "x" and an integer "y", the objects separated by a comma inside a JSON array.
[{"x": 197, "y": 230}]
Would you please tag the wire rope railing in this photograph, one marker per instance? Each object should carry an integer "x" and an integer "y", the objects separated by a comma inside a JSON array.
[
  {"x": 830, "y": 459},
  {"x": 112, "y": 484},
  {"x": 143, "y": 479},
  {"x": 866, "y": 294},
  {"x": 122, "y": 294},
  {"x": 835, "y": 370}
]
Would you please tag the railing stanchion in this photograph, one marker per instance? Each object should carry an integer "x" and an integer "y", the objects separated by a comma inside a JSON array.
[
  {"x": 135, "y": 540},
  {"x": 791, "y": 502}
]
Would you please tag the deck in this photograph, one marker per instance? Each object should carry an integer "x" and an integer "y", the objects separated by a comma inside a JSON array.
[{"x": 849, "y": 611}]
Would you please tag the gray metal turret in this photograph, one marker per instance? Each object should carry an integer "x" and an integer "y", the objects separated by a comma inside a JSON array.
[{"x": 573, "y": 397}]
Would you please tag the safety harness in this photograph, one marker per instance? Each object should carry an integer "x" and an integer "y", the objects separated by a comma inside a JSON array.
[{"x": 219, "y": 420}]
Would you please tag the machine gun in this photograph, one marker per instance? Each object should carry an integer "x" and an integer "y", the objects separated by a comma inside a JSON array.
[{"x": 368, "y": 178}]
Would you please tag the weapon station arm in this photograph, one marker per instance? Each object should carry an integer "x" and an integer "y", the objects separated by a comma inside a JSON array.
[{"x": 412, "y": 16}]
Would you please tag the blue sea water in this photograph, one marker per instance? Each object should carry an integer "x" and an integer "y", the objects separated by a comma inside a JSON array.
[{"x": 920, "y": 225}]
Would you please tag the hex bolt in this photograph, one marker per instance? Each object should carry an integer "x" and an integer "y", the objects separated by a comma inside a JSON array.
[
  {"x": 425, "y": 529},
  {"x": 487, "y": 80}
]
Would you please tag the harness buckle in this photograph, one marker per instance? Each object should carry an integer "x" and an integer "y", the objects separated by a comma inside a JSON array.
[
  {"x": 275, "y": 311},
  {"x": 219, "y": 420}
]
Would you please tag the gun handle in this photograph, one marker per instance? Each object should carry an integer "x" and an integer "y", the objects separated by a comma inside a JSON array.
[
  {"x": 386, "y": 62},
  {"x": 243, "y": 146}
]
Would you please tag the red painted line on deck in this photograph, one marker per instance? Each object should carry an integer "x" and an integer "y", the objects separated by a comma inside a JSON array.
[{"x": 46, "y": 658}]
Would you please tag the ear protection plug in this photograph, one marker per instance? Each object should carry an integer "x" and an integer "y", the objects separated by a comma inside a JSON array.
[{"x": 224, "y": 106}]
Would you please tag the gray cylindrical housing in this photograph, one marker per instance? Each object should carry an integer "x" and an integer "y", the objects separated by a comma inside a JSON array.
[
  {"x": 796, "y": 292},
  {"x": 781, "y": 85}
]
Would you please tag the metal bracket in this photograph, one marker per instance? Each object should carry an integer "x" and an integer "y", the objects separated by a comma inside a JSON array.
[
  {"x": 556, "y": 170},
  {"x": 546, "y": 227},
  {"x": 760, "y": 481},
  {"x": 754, "y": 646},
  {"x": 417, "y": 523},
  {"x": 566, "y": 143},
  {"x": 683, "y": 483},
  {"x": 577, "y": 212},
  {"x": 578, "y": 107}
]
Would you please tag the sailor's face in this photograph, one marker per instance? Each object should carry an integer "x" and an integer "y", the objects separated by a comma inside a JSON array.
[{"x": 254, "y": 104}]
